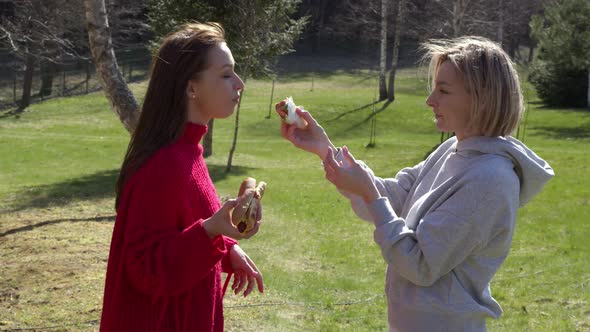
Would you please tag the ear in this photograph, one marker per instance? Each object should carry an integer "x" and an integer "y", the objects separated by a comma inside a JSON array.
[{"x": 191, "y": 89}]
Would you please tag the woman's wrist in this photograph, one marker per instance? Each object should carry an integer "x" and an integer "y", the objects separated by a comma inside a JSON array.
[
  {"x": 323, "y": 151},
  {"x": 371, "y": 195},
  {"x": 208, "y": 228}
]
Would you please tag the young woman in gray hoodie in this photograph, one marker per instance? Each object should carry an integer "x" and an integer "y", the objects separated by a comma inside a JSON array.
[{"x": 445, "y": 226}]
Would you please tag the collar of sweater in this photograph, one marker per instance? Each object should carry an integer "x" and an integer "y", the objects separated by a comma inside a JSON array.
[{"x": 193, "y": 133}]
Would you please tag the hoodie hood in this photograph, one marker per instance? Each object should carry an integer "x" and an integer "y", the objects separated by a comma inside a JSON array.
[{"x": 532, "y": 171}]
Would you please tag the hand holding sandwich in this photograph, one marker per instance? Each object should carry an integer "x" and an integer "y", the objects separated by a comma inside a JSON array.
[
  {"x": 311, "y": 138},
  {"x": 220, "y": 223}
]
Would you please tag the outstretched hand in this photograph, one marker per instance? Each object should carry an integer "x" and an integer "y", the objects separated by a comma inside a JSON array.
[
  {"x": 246, "y": 274},
  {"x": 350, "y": 176},
  {"x": 312, "y": 138},
  {"x": 220, "y": 222}
]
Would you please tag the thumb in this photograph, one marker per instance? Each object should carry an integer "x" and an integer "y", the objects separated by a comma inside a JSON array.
[
  {"x": 230, "y": 204},
  {"x": 306, "y": 116},
  {"x": 347, "y": 155}
]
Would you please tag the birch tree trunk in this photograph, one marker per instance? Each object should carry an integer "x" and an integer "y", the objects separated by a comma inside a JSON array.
[
  {"x": 383, "y": 53},
  {"x": 500, "y": 32},
  {"x": 122, "y": 101},
  {"x": 401, "y": 5},
  {"x": 458, "y": 19}
]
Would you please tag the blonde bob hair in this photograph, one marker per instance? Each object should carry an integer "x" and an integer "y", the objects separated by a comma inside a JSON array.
[{"x": 489, "y": 77}]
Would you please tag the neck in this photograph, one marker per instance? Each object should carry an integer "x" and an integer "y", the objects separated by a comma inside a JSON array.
[{"x": 196, "y": 117}]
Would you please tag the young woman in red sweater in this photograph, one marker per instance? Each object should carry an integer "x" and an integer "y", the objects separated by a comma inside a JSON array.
[{"x": 172, "y": 238}]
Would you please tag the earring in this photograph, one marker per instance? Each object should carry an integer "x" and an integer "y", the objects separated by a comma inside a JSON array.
[{"x": 193, "y": 96}]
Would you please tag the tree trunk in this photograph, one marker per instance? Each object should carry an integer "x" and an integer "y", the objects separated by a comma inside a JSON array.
[
  {"x": 48, "y": 69},
  {"x": 500, "y": 32},
  {"x": 318, "y": 24},
  {"x": 459, "y": 8},
  {"x": 235, "y": 140},
  {"x": 27, "y": 82},
  {"x": 394, "y": 58},
  {"x": 120, "y": 97},
  {"x": 383, "y": 53},
  {"x": 208, "y": 140}
]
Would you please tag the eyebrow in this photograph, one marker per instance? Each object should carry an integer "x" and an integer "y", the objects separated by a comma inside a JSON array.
[{"x": 442, "y": 83}]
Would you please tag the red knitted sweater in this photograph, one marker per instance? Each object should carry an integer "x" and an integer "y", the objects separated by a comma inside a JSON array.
[{"x": 164, "y": 273}]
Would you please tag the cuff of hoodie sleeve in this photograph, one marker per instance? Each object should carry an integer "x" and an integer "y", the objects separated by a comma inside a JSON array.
[
  {"x": 381, "y": 211},
  {"x": 389, "y": 228}
]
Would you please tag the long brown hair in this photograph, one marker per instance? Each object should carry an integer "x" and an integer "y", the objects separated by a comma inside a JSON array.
[{"x": 181, "y": 57}]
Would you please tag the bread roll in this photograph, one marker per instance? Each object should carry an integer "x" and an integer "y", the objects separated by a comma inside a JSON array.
[{"x": 244, "y": 215}]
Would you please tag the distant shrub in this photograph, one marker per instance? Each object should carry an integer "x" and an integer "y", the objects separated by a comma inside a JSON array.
[
  {"x": 559, "y": 86},
  {"x": 560, "y": 68}
]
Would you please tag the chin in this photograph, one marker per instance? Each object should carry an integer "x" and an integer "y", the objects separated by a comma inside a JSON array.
[{"x": 227, "y": 114}]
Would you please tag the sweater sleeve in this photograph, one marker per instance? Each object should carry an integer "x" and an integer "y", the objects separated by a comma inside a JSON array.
[
  {"x": 161, "y": 257},
  {"x": 466, "y": 221}
]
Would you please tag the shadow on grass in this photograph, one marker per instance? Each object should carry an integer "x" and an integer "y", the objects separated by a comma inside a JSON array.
[
  {"x": 56, "y": 221},
  {"x": 369, "y": 117},
  {"x": 580, "y": 132},
  {"x": 98, "y": 185},
  {"x": 88, "y": 187},
  {"x": 217, "y": 172},
  {"x": 13, "y": 112},
  {"x": 343, "y": 114}
]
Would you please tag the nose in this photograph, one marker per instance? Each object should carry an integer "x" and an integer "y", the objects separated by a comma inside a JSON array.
[
  {"x": 239, "y": 84},
  {"x": 430, "y": 100}
]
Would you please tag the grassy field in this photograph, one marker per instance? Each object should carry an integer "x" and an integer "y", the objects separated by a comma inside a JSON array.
[{"x": 322, "y": 271}]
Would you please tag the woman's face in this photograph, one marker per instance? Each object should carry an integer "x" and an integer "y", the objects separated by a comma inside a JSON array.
[
  {"x": 450, "y": 101},
  {"x": 216, "y": 92}
]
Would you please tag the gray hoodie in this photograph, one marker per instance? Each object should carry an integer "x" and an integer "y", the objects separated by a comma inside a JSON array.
[{"x": 445, "y": 226}]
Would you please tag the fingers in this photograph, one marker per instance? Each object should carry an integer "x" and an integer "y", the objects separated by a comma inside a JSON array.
[
  {"x": 348, "y": 156},
  {"x": 254, "y": 277},
  {"x": 242, "y": 204},
  {"x": 229, "y": 204},
  {"x": 250, "y": 286},
  {"x": 330, "y": 163},
  {"x": 257, "y": 276},
  {"x": 251, "y": 232},
  {"x": 282, "y": 113},
  {"x": 306, "y": 116},
  {"x": 279, "y": 106},
  {"x": 247, "y": 277},
  {"x": 239, "y": 281},
  {"x": 331, "y": 166}
]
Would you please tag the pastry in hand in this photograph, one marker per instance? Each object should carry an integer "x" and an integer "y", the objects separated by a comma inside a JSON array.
[
  {"x": 244, "y": 216},
  {"x": 291, "y": 116}
]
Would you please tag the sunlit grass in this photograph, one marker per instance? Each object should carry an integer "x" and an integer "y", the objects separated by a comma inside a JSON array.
[{"x": 322, "y": 270}]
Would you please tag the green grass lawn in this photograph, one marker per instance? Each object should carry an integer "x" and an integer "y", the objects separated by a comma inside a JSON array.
[{"x": 321, "y": 268}]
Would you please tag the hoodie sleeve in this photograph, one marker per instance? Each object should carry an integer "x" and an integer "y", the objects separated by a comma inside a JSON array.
[
  {"x": 160, "y": 258},
  {"x": 466, "y": 221},
  {"x": 394, "y": 189}
]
